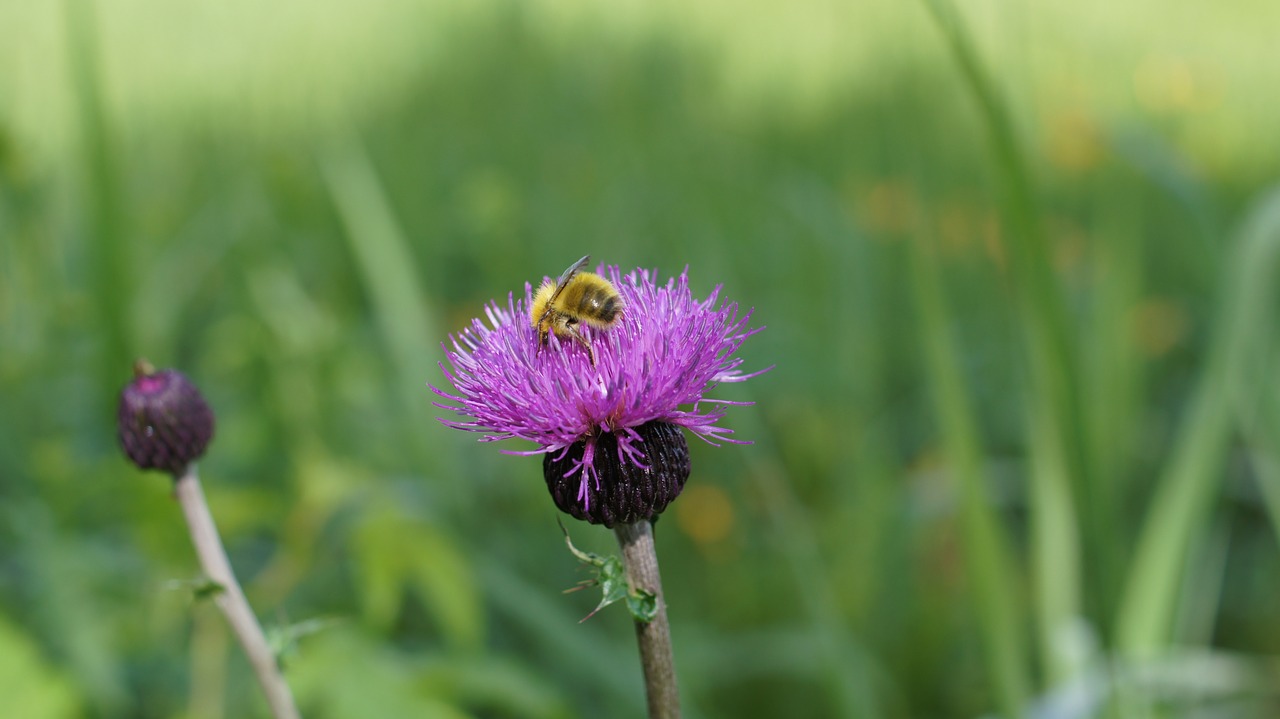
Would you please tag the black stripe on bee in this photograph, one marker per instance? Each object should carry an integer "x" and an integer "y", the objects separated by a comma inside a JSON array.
[{"x": 599, "y": 304}]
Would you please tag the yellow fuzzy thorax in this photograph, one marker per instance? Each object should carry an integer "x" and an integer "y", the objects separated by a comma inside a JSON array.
[{"x": 575, "y": 302}]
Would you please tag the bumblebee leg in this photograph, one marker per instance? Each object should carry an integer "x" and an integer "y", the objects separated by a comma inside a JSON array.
[{"x": 591, "y": 353}]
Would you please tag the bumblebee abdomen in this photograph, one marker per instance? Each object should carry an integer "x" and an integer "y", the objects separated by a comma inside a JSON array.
[
  {"x": 598, "y": 303},
  {"x": 595, "y": 304}
]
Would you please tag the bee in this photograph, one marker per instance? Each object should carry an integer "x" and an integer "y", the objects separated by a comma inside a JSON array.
[{"x": 576, "y": 298}]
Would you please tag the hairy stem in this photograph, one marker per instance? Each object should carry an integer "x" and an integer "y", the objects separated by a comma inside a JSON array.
[
  {"x": 231, "y": 600},
  {"x": 641, "y": 560}
]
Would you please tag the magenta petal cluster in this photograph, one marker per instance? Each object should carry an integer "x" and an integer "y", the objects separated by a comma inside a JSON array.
[{"x": 656, "y": 365}]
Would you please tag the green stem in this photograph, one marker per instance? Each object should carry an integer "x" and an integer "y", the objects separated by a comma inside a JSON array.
[
  {"x": 641, "y": 560},
  {"x": 231, "y": 599}
]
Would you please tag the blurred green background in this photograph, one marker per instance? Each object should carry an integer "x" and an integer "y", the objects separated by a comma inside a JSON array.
[{"x": 1020, "y": 454}]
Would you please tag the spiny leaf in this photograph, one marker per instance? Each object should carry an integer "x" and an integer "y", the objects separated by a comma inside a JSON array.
[
  {"x": 611, "y": 577},
  {"x": 201, "y": 588},
  {"x": 284, "y": 638}
]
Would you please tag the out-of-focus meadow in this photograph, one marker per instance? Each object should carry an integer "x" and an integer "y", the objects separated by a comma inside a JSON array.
[{"x": 1019, "y": 454}]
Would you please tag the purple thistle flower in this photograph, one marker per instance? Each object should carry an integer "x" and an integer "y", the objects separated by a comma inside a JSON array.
[{"x": 603, "y": 425}]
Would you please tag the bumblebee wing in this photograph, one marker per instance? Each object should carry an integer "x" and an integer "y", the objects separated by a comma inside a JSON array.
[
  {"x": 574, "y": 269},
  {"x": 568, "y": 274},
  {"x": 560, "y": 284}
]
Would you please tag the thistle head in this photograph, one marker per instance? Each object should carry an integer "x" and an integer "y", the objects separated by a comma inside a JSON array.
[
  {"x": 163, "y": 421},
  {"x": 606, "y": 413}
]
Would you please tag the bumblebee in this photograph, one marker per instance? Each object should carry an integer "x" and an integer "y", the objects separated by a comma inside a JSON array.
[{"x": 576, "y": 298}]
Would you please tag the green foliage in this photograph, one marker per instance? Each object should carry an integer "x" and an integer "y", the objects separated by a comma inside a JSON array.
[
  {"x": 611, "y": 577},
  {"x": 1020, "y": 452},
  {"x": 32, "y": 687},
  {"x": 437, "y": 570}
]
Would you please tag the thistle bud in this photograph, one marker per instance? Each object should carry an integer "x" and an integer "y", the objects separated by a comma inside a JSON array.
[
  {"x": 163, "y": 421},
  {"x": 622, "y": 492}
]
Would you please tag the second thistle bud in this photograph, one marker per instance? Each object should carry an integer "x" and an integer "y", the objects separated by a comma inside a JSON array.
[{"x": 163, "y": 421}]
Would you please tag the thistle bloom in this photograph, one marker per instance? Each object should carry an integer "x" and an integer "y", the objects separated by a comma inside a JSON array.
[{"x": 613, "y": 453}]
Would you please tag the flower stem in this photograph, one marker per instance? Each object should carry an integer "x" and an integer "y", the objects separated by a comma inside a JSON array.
[
  {"x": 231, "y": 600},
  {"x": 654, "y": 637}
]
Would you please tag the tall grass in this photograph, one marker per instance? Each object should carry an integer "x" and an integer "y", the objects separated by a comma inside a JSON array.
[{"x": 1073, "y": 514}]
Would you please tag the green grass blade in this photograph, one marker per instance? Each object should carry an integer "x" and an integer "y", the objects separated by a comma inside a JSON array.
[
  {"x": 1259, "y": 411},
  {"x": 105, "y": 237},
  {"x": 1186, "y": 491},
  {"x": 993, "y": 579},
  {"x": 1059, "y": 458},
  {"x": 388, "y": 272},
  {"x": 1116, "y": 371}
]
